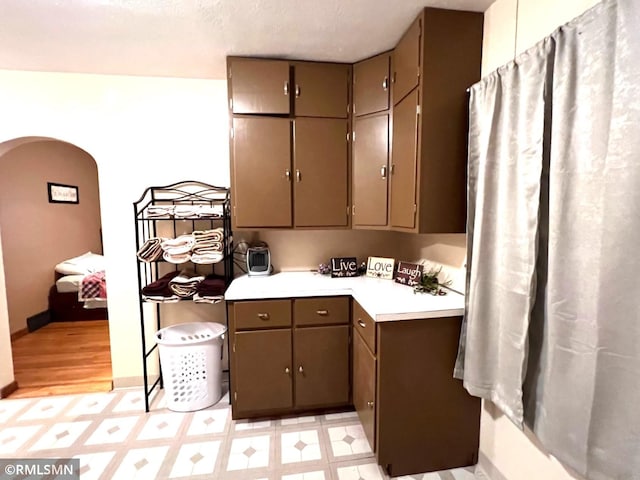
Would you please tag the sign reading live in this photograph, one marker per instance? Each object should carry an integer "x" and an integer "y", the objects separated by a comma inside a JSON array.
[
  {"x": 409, "y": 273},
  {"x": 344, "y": 267},
  {"x": 379, "y": 267}
]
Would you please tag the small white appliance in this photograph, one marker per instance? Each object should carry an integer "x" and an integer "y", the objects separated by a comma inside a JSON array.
[{"x": 258, "y": 261}]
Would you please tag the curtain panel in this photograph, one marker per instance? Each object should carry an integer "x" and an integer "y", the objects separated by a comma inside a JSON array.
[{"x": 552, "y": 321}]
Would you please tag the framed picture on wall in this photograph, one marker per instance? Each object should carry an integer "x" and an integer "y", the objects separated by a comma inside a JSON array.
[{"x": 60, "y": 193}]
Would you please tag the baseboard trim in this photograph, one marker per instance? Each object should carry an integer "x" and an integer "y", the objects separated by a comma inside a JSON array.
[
  {"x": 18, "y": 334},
  {"x": 8, "y": 389},
  {"x": 38, "y": 320},
  {"x": 486, "y": 469}
]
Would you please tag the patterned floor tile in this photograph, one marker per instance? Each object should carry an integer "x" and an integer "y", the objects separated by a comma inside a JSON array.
[
  {"x": 196, "y": 459},
  {"x": 298, "y": 420},
  {"x": 141, "y": 464},
  {"x": 9, "y": 409},
  {"x": 112, "y": 430},
  {"x": 368, "y": 471},
  {"x": 319, "y": 475},
  {"x": 12, "y": 438},
  {"x": 61, "y": 435},
  {"x": 332, "y": 417},
  {"x": 209, "y": 421},
  {"x": 91, "y": 404},
  {"x": 348, "y": 440},
  {"x": 132, "y": 401},
  {"x": 463, "y": 474},
  {"x": 244, "y": 425},
  {"x": 47, "y": 408},
  {"x": 249, "y": 452},
  {"x": 93, "y": 465},
  {"x": 163, "y": 425},
  {"x": 300, "y": 447},
  {"x": 420, "y": 476}
]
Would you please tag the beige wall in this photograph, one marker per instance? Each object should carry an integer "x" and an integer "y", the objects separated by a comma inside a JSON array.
[
  {"x": 36, "y": 234},
  {"x": 512, "y": 26}
]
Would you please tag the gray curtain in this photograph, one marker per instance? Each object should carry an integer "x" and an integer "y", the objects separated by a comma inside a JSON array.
[{"x": 578, "y": 387}]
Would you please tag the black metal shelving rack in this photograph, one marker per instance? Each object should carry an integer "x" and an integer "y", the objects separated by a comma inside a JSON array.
[{"x": 182, "y": 193}]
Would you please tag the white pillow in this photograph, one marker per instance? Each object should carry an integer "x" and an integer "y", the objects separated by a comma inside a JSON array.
[{"x": 81, "y": 265}]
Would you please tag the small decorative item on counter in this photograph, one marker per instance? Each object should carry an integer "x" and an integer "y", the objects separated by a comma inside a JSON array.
[
  {"x": 409, "y": 274},
  {"x": 324, "y": 269},
  {"x": 379, "y": 267},
  {"x": 344, "y": 267},
  {"x": 362, "y": 269},
  {"x": 431, "y": 284}
]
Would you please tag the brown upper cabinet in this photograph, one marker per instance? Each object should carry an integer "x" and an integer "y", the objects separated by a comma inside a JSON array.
[
  {"x": 370, "y": 170},
  {"x": 406, "y": 61},
  {"x": 321, "y": 172},
  {"x": 273, "y": 188},
  {"x": 261, "y": 172},
  {"x": 371, "y": 85},
  {"x": 429, "y": 146},
  {"x": 259, "y": 86},
  {"x": 321, "y": 89}
]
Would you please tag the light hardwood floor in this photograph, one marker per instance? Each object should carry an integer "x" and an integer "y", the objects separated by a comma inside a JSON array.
[{"x": 62, "y": 358}]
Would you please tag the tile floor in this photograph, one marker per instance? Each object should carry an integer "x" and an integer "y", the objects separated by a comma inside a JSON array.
[{"x": 115, "y": 439}]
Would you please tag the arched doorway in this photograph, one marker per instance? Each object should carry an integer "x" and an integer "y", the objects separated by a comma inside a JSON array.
[{"x": 70, "y": 353}]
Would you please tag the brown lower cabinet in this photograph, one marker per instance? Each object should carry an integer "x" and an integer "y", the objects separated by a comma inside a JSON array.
[
  {"x": 417, "y": 417},
  {"x": 289, "y": 355}
]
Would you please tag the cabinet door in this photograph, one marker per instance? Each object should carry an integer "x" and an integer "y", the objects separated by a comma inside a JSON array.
[
  {"x": 261, "y": 172},
  {"x": 321, "y": 366},
  {"x": 404, "y": 162},
  {"x": 364, "y": 387},
  {"x": 321, "y": 90},
  {"x": 321, "y": 165},
  {"x": 262, "y": 373},
  {"x": 406, "y": 61},
  {"x": 370, "y": 170},
  {"x": 371, "y": 85},
  {"x": 259, "y": 86}
]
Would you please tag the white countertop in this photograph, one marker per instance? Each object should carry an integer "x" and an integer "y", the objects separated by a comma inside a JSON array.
[{"x": 383, "y": 300}]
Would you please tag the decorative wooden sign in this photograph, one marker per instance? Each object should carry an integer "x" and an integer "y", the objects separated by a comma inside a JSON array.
[
  {"x": 409, "y": 273},
  {"x": 344, "y": 267},
  {"x": 380, "y": 267}
]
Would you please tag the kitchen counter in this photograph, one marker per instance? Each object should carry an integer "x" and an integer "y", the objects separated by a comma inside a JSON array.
[{"x": 383, "y": 300}]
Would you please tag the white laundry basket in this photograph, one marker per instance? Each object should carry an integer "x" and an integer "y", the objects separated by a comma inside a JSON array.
[{"x": 190, "y": 359}]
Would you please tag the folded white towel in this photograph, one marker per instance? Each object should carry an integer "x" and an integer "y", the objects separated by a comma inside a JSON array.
[
  {"x": 216, "y": 211},
  {"x": 176, "y": 246},
  {"x": 185, "y": 211},
  {"x": 207, "y": 257},
  {"x": 203, "y": 299},
  {"x": 176, "y": 257},
  {"x": 154, "y": 211},
  {"x": 160, "y": 299}
]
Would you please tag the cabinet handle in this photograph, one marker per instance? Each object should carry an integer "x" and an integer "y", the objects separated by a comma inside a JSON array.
[
  {"x": 322, "y": 312},
  {"x": 385, "y": 83},
  {"x": 286, "y": 370},
  {"x": 393, "y": 168},
  {"x": 286, "y": 87},
  {"x": 263, "y": 316},
  {"x": 298, "y": 175},
  {"x": 287, "y": 173},
  {"x": 393, "y": 79},
  {"x": 362, "y": 324},
  {"x": 297, "y": 90},
  {"x": 370, "y": 404},
  {"x": 300, "y": 369},
  {"x": 383, "y": 171}
]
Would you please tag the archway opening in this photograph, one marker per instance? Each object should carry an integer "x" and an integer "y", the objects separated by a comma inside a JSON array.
[{"x": 51, "y": 239}]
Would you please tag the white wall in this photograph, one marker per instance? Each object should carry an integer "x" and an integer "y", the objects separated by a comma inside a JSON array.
[
  {"x": 6, "y": 362},
  {"x": 510, "y": 27},
  {"x": 141, "y": 132}
]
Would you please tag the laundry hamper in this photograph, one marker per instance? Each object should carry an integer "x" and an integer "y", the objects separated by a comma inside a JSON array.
[{"x": 190, "y": 359}]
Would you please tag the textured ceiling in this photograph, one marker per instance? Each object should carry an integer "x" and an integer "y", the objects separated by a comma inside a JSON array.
[{"x": 191, "y": 38}]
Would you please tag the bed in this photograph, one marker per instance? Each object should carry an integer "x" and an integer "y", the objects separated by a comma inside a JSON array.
[{"x": 79, "y": 292}]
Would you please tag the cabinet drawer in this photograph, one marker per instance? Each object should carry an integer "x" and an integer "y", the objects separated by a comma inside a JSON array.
[
  {"x": 365, "y": 326},
  {"x": 321, "y": 311},
  {"x": 262, "y": 314}
]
